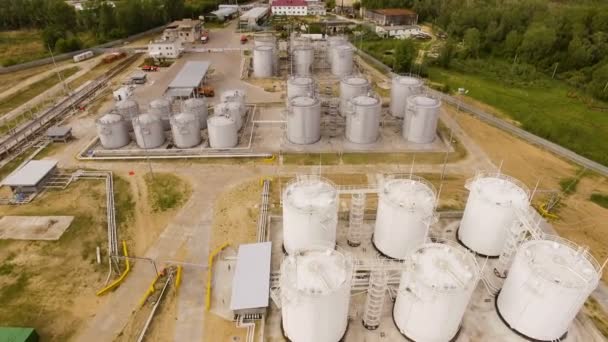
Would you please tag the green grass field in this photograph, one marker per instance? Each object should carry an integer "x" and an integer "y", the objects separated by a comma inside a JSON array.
[
  {"x": 545, "y": 107},
  {"x": 166, "y": 191},
  {"x": 21, "y": 46}
]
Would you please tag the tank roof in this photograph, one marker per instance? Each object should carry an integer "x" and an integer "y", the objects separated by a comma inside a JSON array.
[
  {"x": 501, "y": 189},
  {"x": 183, "y": 117},
  {"x": 561, "y": 262},
  {"x": 311, "y": 194},
  {"x": 343, "y": 47},
  {"x": 147, "y": 118},
  {"x": 195, "y": 101},
  {"x": 263, "y": 48},
  {"x": 315, "y": 272},
  {"x": 110, "y": 118},
  {"x": 355, "y": 80},
  {"x": 443, "y": 267},
  {"x": 409, "y": 193},
  {"x": 408, "y": 80},
  {"x": 126, "y": 104},
  {"x": 425, "y": 101},
  {"x": 160, "y": 103},
  {"x": 220, "y": 120},
  {"x": 301, "y": 80},
  {"x": 303, "y": 101},
  {"x": 364, "y": 100}
]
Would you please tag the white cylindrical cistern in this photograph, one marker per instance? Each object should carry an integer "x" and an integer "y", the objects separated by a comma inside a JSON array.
[
  {"x": 310, "y": 213},
  {"x": 434, "y": 292},
  {"x": 403, "y": 87},
  {"x": 315, "y": 295},
  {"x": 490, "y": 211},
  {"x": 406, "y": 209},
  {"x": 548, "y": 283},
  {"x": 421, "y": 119},
  {"x": 304, "y": 120}
]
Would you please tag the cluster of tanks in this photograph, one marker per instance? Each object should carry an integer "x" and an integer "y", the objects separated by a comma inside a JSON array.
[
  {"x": 547, "y": 283},
  {"x": 184, "y": 126}
]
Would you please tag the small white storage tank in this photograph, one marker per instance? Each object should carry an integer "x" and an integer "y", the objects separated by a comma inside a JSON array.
[
  {"x": 271, "y": 41},
  {"x": 149, "y": 132},
  {"x": 342, "y": 61},
  {"x": 222, "y": 132},
  {"x": 490, "y": 211},
  {"x": 315, "y": 295},
  {"x": 198, "y": 107},
  {"x": 421, "y": 116},
  {"x": 332, "y": 42},
  {"x": 300, "y": 86},
  {"x": 402, "y": 88},
  {"x": 297, "y": 41},
  {"x": 547, "y": 285},
  {"x": 303, "y": 59},
  {"x": 113, "y": 131},
  {"x": 434, "y": 292},
  {"x": 232, "y": 110},
  {"x": 263, "y": 61},
  {"x": 363, "y": 119},
  {"x": 351, "y": 86},
  {"x": 406, "y": 209},
  {"x": 162, "y": 109},
  {"x": 186, "y": 129},
  {"x": 310, "y": 213},
  {"x": 128, "y": 109},
  {"x": 304, "y": 120}
]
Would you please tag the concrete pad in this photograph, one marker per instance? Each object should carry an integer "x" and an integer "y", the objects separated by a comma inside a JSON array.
[{"x": 48, "y": 228}]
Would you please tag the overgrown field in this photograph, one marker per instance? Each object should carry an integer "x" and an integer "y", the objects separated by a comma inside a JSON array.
[
  {"x": 21, "y": 46},
  {"x": 166, "y": 191}
]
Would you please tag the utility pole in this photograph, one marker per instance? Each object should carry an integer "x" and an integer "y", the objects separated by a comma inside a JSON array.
[{"x": 554, "y": 70}]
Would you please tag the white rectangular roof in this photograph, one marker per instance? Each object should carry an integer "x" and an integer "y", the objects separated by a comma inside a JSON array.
[
  {"x": 190, "y": 76},
  {"x": 251, "y": 282},
  {"x": 255, "y": 13},
  {"x": 30, "y": 174}
]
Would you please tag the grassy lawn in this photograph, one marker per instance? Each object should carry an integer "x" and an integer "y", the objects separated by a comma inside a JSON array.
[
  {"x": 166, "y": 191},
  {"x": 21, "y": 46},
  {"x": 600, "y": 199},
  {"x": 545, "y": 107},
  {"x": 13, "y": 164}
]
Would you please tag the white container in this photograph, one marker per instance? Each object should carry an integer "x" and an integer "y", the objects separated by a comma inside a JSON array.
[
  {"x": 186, "y": 129},
  {"x": 162, "y": 109},
  {"x": 128, "y": 109},
  {"x": 232, "y": 110},
  {"x": 421, "y": 117},
  {"x": 406, "y": 208},
  {"x": 363, "y": 119},
  {"x": 434, "y": 292},
  {"x": 352, "y": 86},
  {"x": 402, "y": 87},
  {"x": 547, "y": 285},
  {"x": 342, "y": 62},
  {"x": 490, "y": 212},
  {"x": 300, "y": 86},
  {"x": 310, "y": 213},
  {"x": 315, "y": 295},
  {"x": 303, "y": 58},
  {"x": 263, "y": 57},
  {"x": 198, "y": 107},
  {"x": 149, "y": 131},
  {"x": 304, "y": 120},
  {"x": 222, "y": 132},
  {"x": 113, "y": 132}
]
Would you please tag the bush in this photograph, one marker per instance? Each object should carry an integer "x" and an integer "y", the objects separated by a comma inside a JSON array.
[{"x": 600, "y": 199}]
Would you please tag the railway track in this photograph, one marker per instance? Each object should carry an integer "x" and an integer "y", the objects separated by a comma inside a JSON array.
[{"x": 26, "y": 132}]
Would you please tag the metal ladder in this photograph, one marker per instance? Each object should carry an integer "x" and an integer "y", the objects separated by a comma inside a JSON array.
[
  {"x": 355, "y": 219},
  {"x": 378, "y": 283}
]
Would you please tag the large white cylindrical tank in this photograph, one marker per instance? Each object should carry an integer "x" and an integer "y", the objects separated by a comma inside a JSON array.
[
  {"x": 402, "y": 87},
  {"x": 186, "y": 129},
  {"x": 351, "y": 86},
  {"x": 149, "y": 131},
  {"x": 310, "y": 213},
  {"x": 234, "y": 95},
  {"x": 421, "y": 117},
  {"x": 162, "y": 109},
  {"x": 304, "y": 120},
  {"x": 490, "y": 211},
  {"x": 113, "y": 131},
  {"x": 198, "y": 107},
  {"x": 363, "y": 119},
  {"x": 332, "y": 42},
  {"x": 434, "y": 292},
  {"x": 300, "y": 86},
  {"x": 406, "y": 208},
  {"x": 342, "y": 61},
  {"x": 222, "y": 132},
  {"x": 297, "y": 41},
  {"x": 232, "y": 110},
  {"x": 263, "y": 61},
  {"x": 271, "y": 41},
  {"x": 128, "y": 109},
  {"x": 548, "y": 283},
  {"x": 315, "y": 295},
  {"x": 303, "y": 58}
]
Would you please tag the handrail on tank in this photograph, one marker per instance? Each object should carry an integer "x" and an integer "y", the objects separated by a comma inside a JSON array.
[
  {"x": 499, "y": 175},
  {"x": 413, "y": 177},
  {"x": 307, "y": 179},
  {"x": 584, "y": 252}
]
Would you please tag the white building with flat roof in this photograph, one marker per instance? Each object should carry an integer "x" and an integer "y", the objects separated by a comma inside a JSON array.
[
  {"x": 168, "y": 48},
  {"x": 31, "y": 176}
]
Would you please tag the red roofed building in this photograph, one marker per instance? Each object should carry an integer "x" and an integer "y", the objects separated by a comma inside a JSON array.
[{"x": 289, "y": 7}]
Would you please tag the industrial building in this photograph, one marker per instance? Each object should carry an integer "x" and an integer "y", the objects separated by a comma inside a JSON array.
[
  {"x": 254, "y": 17},
  {"x": 289, "y": 7},
  {"x": 224, "y": 13},
  {"x": 188, "y": 80},
  {"x": 391, "y": 16},
  {"x": 186, "y": 31},
  {"x": 59, "y": 133},
  {"x": 165, "y": 48},
  {"x": 251, "y": 279},
  {"x": 31, "y": 177},
  {"x": 398, "y": 31}
]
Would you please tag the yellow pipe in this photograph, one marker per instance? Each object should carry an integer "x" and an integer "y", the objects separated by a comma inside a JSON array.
[
  {"x": 178, "y": 277},
  {"x": 122, "y": 277},
  {"x": 149, "y": 291},
  {"x": 211, "y": 256},
  {"x": 270, "y": 159}
]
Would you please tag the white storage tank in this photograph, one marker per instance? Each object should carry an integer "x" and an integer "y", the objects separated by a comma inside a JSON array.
[
  {"x": 232, "y": 110},
  {"x": 434, "y": 292},
  {"x": 149, "y": 131},
  {"x": 304, "y": 120},
  {"x": 315, "y": 295},
  {"x": 310, "y": 213},
  {"x": 548, "y": 283},
  {"x": 351, "y": 86},
  {"x": 198, "y": 107},
  {"x": 186, "y": 129},
  {"x": 128, "y": 109},
  {"x": 363, "y": 119},
  {"x": 113, "y": 131},
  {"x": 222, "y": 132},
  {"x": 342, "y": 60},
  {"x": 402, "y": 88},
  {"x": 421, "y": 117},
  {"x": 490, "y": 211},
  {"x": 297, "y": 41},
  {"x": 300, "y": 86},
  {"x": 303, "y": 59},
  {"x": 406, "y": 209},
  {"x": 162, "y": 109},
  {"x": 332, "y": 42},
  {"x": 234, "y": 95},
  {"x": 263, "y": 61}
]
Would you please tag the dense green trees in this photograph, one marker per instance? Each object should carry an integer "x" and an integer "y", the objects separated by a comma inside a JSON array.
[{"x": 405, "y": 55}]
